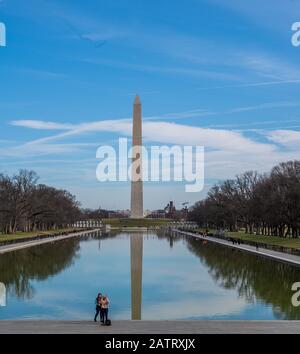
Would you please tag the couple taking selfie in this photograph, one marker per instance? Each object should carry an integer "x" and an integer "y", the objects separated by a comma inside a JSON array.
[{"x": 102, "y": 305}]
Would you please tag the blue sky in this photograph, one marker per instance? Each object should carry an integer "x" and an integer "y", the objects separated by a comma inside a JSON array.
[{"x": 217, "y": 73}]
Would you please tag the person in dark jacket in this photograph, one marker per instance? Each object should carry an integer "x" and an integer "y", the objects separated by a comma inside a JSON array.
[{"x": 98, "y": 308}]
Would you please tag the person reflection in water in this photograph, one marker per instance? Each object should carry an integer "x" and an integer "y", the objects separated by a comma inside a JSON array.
[
  {"x": 98, "y": 308},
  {"x": 104, "y": 308}
]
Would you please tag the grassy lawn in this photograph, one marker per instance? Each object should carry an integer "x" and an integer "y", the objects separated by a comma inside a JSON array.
[
  {"x": 135, "y": 222},
  {"x": 203, "y": 229},
  {"x": 21, "y": 235},
  {"x": 271, "y": 240}
]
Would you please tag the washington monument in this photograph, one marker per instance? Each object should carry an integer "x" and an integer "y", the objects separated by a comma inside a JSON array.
[{"x": 137, "y": 172}]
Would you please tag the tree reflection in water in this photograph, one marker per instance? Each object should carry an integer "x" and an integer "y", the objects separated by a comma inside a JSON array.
[
  {"x": 19, "y": 268},
  {"x": 255, "y": 278}
]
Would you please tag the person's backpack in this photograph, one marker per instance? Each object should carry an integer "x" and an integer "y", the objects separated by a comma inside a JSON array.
[{"x": 108, "y": 322}]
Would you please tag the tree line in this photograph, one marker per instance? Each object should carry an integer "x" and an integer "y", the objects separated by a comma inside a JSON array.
[
  {"x": 28, "y": 206},
  {"x": 265, "y": 204}
]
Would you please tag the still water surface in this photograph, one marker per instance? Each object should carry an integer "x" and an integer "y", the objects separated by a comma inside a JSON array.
[{"x": 147, "y": 276}]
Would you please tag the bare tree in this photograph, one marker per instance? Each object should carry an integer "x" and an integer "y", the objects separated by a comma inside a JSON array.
[
  {"x": 27, "y": 206},
  {"x": 266, "y": 204}
]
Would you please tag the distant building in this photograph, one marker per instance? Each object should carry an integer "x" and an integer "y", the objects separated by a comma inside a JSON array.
[
  {"x": 157, "y": 214},
  {"x": 119, "y": 214},
  {"x": 170, "y": 210},
  {"x": 147, "y": 213}
]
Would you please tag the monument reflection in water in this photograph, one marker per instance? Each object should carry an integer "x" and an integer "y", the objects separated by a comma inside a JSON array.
[{"x": 136, "y": 260}]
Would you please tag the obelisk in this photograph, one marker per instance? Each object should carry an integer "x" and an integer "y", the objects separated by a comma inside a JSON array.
[{"x": 137, "y": 172}]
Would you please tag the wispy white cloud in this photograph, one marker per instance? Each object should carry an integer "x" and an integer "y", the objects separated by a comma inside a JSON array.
[
  {"x": 264, "y": 106},
  {"x": 204, "y": 55},
  {"x": 268, "y": 66},
  {"x": 256, "y": 125},
  {"x": 253, "y": 84},
  {"x": 227, "y": 152},
  {"x": 157, "y": 129},
  {"x": 197, "y": 113},
  {"x": 195, "y": 72},
  {"x": 280, "y": 13},
  {"x": 187, "y": 114},
  {"x": 161, "y": 132},
  {"x": 35, "y": 149},
  {"x": 40, "y": 73},
  {"x": 172, "y": 133},
  {"x": 42, "y": 125},
  {"x": 198, "y": 58},
  {"x": 287, "y": 138}
]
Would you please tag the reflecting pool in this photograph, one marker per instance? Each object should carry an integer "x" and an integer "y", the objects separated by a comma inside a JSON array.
[{"x": 146, "y": 276}]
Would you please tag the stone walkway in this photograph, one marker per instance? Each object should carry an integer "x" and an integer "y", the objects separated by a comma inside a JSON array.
[
  {"x": 26, "y": 244},
  {"x": 150, "y": 327},
  {"x": 279, "y": 256}
]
